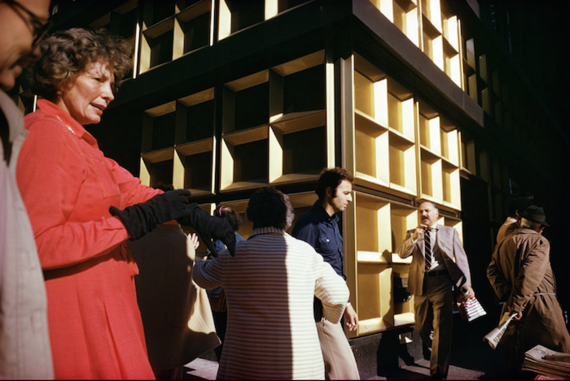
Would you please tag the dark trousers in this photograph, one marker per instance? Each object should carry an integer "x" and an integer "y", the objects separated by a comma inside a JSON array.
[{"x": 434, "y": 321}]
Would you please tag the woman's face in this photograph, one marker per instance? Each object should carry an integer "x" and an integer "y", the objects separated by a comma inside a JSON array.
[{"x": 90, "y": 94}]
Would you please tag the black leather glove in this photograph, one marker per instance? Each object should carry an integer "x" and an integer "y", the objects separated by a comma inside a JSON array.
[
  {"x": 210, "y": 227},
  {"x": 142, "y": 218}
]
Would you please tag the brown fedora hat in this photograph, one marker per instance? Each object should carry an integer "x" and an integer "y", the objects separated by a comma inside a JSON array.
[{"x": 536, "y": 214}]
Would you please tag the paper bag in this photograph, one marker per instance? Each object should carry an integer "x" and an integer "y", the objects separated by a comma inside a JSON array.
[{"x": 470, "y": 309}]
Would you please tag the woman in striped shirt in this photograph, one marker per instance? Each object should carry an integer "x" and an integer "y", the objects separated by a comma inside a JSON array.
[{"x": 270, "y": 285}]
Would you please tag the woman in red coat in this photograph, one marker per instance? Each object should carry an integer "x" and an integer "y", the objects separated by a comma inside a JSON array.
[{"x": 83, "y": 207}]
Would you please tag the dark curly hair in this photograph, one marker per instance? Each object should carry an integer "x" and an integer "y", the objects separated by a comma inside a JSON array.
[
  {"x": 66, "y": 54},
  {"x": 331, "y": 177},
  {"x": 269, "y": 207}
]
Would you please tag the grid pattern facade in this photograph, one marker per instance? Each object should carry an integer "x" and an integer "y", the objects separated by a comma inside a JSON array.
[{"x": 227, "y": 96}]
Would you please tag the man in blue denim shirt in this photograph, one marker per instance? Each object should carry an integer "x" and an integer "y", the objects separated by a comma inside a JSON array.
[{"x": 319, "y": 227}]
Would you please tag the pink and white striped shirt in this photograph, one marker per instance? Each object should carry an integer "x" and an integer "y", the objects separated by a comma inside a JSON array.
[{"x": 270, "y": 285}]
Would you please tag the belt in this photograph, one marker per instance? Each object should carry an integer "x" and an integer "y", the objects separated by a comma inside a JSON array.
[{"x": 437, "y": 273}]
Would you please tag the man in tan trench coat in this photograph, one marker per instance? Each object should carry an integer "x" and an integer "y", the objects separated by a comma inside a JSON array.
[{"x": 522, "y": 277}]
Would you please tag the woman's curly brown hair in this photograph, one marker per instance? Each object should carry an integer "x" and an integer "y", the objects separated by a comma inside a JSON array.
[{"x": 66, "y": 54}]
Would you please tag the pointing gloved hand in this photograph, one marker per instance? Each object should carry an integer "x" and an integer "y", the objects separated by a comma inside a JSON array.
[
  {"x": 143, "y": 217},
  {"x": 209, "y": 227}
]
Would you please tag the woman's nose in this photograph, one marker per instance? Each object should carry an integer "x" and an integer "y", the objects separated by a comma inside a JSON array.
[{"x": 108, "y": 92}]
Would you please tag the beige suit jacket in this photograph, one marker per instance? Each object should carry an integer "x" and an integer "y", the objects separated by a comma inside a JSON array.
[{"x": 452, "y": 252}]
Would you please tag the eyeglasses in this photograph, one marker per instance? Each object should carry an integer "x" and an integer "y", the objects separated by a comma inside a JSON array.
[{"x": 40, "y": 26}]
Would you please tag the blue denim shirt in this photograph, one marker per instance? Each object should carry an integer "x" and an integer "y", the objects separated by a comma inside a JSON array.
[
  {"x": 216, "y": 295},
  {"x": 321, "y": 231},
  {"x": 219, "y": 245}
]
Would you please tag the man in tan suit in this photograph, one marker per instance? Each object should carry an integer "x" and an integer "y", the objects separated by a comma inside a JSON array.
[{"x": 439, "y": 266}]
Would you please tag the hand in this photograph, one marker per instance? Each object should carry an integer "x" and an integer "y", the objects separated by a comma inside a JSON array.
[
  {"x": 195, "y": 240},
  {"x": 466, "y": 293},
  {"x": 470, "y": 292},
  {"x": 419, "y": 232},
  {"x": 209, "y": 228},
  {"x": 350, "y": 318},
  {"x": 143, "y": 217}
]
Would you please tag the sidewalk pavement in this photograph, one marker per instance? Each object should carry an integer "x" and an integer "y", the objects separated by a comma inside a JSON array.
[
  {"x": 471, "y": 359},
  {"x": 203, "y": 369}
]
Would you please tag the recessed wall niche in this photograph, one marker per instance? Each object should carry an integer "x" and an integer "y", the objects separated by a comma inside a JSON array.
[
  {"x": 181, "y": 132},
  {"x": 384, "y": 129},
  {"x": 275, "y": 125}
]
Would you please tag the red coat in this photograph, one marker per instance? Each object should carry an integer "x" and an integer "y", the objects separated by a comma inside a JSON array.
[{"x": 68, "y": 186}]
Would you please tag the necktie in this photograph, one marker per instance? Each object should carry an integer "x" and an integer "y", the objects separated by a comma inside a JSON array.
[{"x": 428, "y": 252}]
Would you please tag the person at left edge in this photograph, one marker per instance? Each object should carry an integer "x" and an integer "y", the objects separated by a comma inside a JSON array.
[
  {"x": 83, "y": 207},
  {"x": 25, "y": 351}
]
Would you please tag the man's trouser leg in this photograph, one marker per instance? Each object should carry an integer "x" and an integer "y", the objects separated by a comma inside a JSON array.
[
  {"x": 337, "y": 354},
  {"x": 437, "y": 304}
]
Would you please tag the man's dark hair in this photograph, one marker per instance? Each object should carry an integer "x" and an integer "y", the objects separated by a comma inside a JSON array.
[
  {"x": 331, "y": 177},
  {"x": 269, "y": 207}
]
